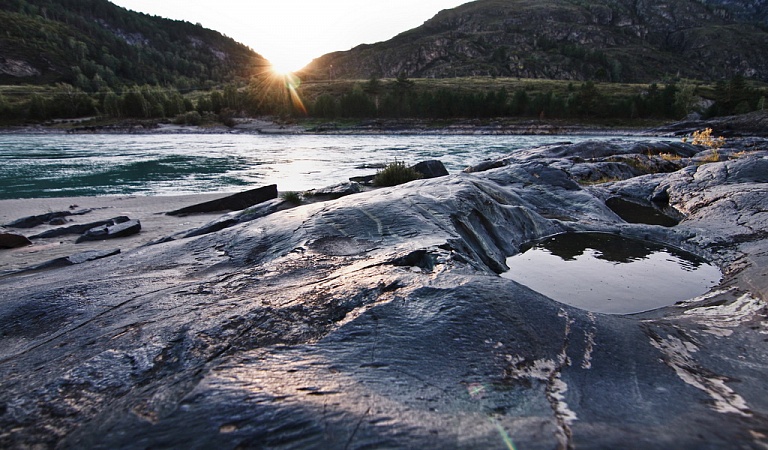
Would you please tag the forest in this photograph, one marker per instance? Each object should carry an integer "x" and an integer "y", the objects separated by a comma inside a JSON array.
[{"x": 392, "y": 98}]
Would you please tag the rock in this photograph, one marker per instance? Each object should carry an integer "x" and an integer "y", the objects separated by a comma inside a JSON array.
[
  {"x": 234, "y": 202},
  {"x": 336, "y": 191},
  {"x": 33, "y": 221},
  {"x": 105, "y": 232},
  {"x": 79, "y": 258},
  {"x": 79, "y": 229},
  {"x": 10, "y": 240},
  {"x": 366, "y": 180},
  {"x": 380, "y": 320},
  {"x": 431, "y": 169}
]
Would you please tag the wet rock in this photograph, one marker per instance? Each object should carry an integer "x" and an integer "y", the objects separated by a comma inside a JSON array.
[
  {"x": 104, "y": 232},
  {"x": 11, "y": 240},
  {"x": 379, "y": 320},
  {"x": 33, "y": 221},
  {"x": 234, "y": 202}
]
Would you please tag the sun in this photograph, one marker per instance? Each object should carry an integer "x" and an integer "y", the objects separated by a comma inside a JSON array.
[{"x": 280, "y": 68}]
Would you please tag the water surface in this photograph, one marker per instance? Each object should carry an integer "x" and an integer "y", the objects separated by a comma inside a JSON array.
[
  {"x": 611, "y": 274},
  {"x": 33, "y": 166}
]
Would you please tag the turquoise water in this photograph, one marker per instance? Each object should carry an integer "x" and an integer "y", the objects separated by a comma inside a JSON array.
[{"x": 34, "y": 166}]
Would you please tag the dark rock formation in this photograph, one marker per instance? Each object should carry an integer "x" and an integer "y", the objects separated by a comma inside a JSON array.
[
  {"x": 234, "y": 202},
  {"x": 379, "y": 320},
  {"x": 34, "y": 221},
  {"x": 11, "y": 240},
  {"x": 118, "y": 230},
  {"x": 431, "y": 169},
  {"x": 79, "y": 229}
]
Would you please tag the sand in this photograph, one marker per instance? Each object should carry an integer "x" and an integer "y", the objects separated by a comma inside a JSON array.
[{"x": 149, "y": 210}]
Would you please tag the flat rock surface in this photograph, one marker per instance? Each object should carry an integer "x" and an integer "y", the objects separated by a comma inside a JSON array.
[{"x": 379, "y": 320}]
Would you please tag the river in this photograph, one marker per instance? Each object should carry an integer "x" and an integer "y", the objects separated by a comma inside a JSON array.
[{"x": 52, "y": 165}]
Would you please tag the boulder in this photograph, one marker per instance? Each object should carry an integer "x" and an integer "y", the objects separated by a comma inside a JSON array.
[
  {"x": 105, "y": 232},
  {"x": 431, "y": 169},
  {"x": 234, "y": 202},
  {"x": 10, "y": 240}
]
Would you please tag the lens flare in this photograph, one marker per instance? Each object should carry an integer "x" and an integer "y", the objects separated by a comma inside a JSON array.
[{"x": 273, "y": 91}]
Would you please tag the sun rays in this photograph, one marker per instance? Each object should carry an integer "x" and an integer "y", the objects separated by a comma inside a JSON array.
[{"x": 272, "y": 89}]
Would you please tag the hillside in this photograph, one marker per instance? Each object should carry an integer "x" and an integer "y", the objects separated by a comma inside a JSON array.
[
  {"x": 604, "y": 40},
  {"x": 93, "y": 44}
]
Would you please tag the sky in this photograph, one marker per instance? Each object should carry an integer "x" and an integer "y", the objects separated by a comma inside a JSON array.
[{"x": 291, "y": 33}]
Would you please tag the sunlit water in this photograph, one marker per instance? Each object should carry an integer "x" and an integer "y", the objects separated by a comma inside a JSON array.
[
  {"x": 611, "y": 274},
  {"x": 34, "y": 166}
]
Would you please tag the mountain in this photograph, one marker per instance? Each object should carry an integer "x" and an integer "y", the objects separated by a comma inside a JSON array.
[
  {"x": 94, "y": 43},
  {"x": 612, "y": 40}
]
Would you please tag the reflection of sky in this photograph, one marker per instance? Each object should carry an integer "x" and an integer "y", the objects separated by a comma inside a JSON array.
[
  {"x": 591, "y": 282},
  {"x": 72, "y": 165}
]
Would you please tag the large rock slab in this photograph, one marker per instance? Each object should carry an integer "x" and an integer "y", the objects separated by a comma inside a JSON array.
[
  {"x": 235, "y": 202},
  {"x": 379, "y": 320}
]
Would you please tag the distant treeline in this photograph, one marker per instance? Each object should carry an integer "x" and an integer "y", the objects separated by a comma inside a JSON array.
[
  {"x": 585, "y": 101},
  {"x": 401, "y": 98}
]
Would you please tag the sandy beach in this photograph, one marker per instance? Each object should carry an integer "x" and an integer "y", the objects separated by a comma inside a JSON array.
[{"x": 150, "y": 210}]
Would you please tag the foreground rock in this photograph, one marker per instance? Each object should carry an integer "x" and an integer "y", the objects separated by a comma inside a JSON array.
[{"x": 379, "y": 320}]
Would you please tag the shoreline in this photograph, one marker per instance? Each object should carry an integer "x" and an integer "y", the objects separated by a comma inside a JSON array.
[
  {"x": 149, "y": 210},
  {"x": 503, "y": 126}
]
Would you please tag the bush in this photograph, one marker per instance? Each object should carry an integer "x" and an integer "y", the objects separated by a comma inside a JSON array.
[
  {"x": 394, "y": 174},
  {"x": 190, "y": 118},
  {"x": 292, "y": 197}
]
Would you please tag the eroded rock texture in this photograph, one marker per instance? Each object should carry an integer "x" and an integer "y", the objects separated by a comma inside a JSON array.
[{"x": 378, "y": 320}]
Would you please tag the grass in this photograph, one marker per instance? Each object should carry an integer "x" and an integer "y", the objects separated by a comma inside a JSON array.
[
  {"x": 292, "y": 197},
  {"x": 670, "y": 157},
  {"x": 394, "y": 174}
]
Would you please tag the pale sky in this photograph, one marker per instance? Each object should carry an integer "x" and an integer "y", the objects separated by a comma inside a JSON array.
[{"x": 290, "y": 33}]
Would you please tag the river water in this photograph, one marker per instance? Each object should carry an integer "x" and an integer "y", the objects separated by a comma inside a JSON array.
[{"x": 37, "y": 166}]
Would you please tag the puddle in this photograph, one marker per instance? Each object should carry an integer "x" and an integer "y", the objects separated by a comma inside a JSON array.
[
  {"x": 607, "y": 273},
  {"x": 636, "y": 213}
]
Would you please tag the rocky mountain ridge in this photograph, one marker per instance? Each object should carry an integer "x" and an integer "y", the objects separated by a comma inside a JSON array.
[{"x": 611, "y": 40}]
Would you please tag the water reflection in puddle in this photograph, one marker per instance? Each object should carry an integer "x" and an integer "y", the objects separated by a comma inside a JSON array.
[{"x": 607, "y": 273}]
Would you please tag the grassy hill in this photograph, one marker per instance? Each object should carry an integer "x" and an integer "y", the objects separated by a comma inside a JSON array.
[{"x": 602, "y": 40}]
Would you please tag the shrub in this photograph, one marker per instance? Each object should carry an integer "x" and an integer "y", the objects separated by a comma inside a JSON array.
[
  {"x": 190, "y": 118},
  {"x": 395, "y": 173},
  {"x": 706, "y": 139},
  {"x": 670, "y": 157},
  {"x": 292, "y": 197}
]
